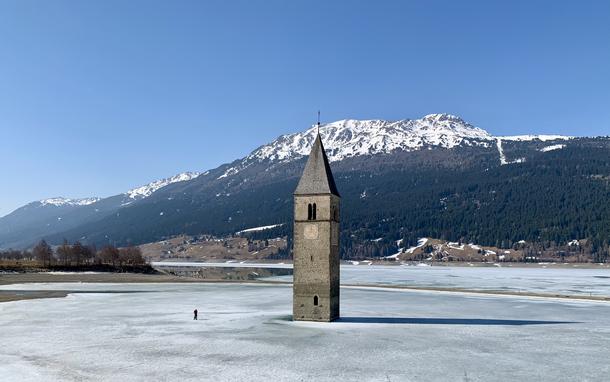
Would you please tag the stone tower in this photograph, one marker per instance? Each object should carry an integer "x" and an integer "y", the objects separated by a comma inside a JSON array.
[{"x": 316, "y": 241}]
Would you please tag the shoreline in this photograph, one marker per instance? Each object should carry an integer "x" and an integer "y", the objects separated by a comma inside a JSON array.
[
  {"x": 367, "y": 263},
  {"x": 10, "y": 295}
]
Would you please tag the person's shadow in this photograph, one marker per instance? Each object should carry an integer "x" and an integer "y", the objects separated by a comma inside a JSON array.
[{"x": 445, "y": 321}]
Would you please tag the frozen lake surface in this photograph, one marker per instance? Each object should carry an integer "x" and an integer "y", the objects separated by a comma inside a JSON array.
[
  {"x": 567, "y": 281},
  {"x": 594, "y": 282},
  {"x": 144, "y": 332},
  {"x": 583, "y": 281}
]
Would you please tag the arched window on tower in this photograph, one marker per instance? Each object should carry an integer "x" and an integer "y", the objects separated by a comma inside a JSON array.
[
  {"x": 309, "y": 212},
  {"x": 314, "y": 212},
  {"x": 315, "y": 300}
]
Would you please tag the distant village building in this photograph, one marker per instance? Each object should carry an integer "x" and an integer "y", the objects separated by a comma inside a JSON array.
[{"x": 316, "y": 241}]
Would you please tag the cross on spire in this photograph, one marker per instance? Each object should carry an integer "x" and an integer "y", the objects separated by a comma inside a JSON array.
[{"x": 318, "y": 122}]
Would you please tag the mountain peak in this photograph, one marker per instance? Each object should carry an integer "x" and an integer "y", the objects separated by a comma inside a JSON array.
[
  {"x": 444, "y": 117},
  {"x": 350, "y": 137}
]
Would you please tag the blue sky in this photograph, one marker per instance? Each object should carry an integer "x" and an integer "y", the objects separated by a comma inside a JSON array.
[{"x": 97, "y": 97}]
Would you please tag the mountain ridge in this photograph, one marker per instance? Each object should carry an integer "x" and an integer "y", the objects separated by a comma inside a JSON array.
[
  {"x": 339, "y": 148},
  {"x": 180, "y": 201}
]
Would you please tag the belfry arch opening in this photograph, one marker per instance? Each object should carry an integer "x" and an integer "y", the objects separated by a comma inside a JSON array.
[
  {"x": 315, "y": 300},
  {"x": 311, "y": 211}
]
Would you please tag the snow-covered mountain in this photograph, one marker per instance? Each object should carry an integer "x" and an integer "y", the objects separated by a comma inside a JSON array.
[
  {"x": 59, "y": 201},
  {"x": 200, "y": 202},
  {"x": 135, "y": 193},
  {"x": 348, "y": 138},
  {"x": 48, "y": 216},
  {"x": 148, "y": 189},
  {"x": 344, "y": 139}
]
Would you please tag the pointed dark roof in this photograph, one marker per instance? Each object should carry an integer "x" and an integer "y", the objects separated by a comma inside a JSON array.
[{"x": 317, "y": 177}]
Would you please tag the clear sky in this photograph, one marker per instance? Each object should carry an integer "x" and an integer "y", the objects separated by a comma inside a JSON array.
[{"x": 97, "y": 97}]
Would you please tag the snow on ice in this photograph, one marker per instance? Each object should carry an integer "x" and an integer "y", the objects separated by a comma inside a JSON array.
[{"x": 140, "y": 332}]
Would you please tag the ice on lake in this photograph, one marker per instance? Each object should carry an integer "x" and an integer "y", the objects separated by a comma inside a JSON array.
[
  {"x": 565, "y": 281},
  {"x": 144, "y": 332},
  {"x": 584, "y": 281}
]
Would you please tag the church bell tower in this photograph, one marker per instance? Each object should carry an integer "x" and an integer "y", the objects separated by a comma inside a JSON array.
[{"x": 316, "y": 241}]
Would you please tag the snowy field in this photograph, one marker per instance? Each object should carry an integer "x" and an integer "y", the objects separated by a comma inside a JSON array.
[{"x": 145, "y": 332}]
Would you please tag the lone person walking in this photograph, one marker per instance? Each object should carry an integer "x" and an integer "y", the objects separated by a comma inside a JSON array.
[{"x": 195, "y": 314}]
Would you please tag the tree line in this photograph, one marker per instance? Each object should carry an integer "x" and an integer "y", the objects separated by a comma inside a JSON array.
[{"x": 77, "y": 255}]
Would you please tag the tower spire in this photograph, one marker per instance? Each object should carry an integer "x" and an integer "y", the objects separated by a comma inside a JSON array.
[{"x": 317, "y": 177}]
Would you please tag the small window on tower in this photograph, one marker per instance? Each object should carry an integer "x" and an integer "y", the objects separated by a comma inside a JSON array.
[
  {"x": 309, "y": 212},
  {"x": 314, "y": 212},
  {"x": 315, "y": 300}
]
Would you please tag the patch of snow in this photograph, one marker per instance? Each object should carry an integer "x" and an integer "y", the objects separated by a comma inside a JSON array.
[
  {"x": 148, "y": 189},
  {"x": 457, "y": 246},
  {"x": 503, "y": 160},
  {"x": 262, "y": 228},
  {"x": 420, "y": 243},
  {"x": 394, "y": 256},
  {"x": 552, "y": 148},
  {"x": 542, "y": 138},
  {"x": 59, "y": 201},
  {"x": 230, "y": 171},
  {"x": 574, "y": 243}
]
